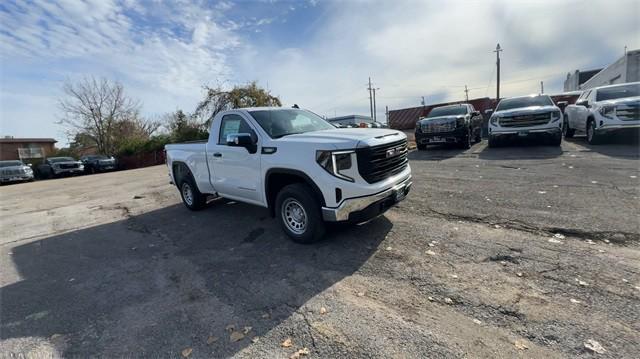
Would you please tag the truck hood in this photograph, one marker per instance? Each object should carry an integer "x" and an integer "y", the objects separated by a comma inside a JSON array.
[
  {"x": 621, "y": 101},
  {"x": 527, "y": 110},
  {"x": 14, "y": 168},
  {"x": 67, "y": 163},
  {"x": 347, "y": 138}
]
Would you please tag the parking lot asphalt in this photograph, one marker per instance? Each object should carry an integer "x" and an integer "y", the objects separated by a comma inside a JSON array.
[{"x": 525, "y": 251}]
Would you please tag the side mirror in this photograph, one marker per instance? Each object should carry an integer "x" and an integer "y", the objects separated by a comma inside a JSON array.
[
  {"x": 475, "y": 113},
  {"x": 242, "y": 140},
  {"x": 488, "y": 112},
  {"x": 30, "y": 164},
  {"x": 584, "y": 103},
  {"x": 562, "y": 105}
]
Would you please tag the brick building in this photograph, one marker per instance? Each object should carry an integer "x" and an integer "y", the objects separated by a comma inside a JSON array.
[{"x": 26, "y": 149}]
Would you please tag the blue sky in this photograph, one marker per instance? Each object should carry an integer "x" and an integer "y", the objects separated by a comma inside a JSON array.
[{"x": 317, "y": 54}]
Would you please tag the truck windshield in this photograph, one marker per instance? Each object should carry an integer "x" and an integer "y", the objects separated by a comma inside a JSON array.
[
  {"x": 448, "y": 111},
  {"x": 612, "y": 93},
  {"x": 519, "y": 102},
  {"x": 279, "y": 123}
]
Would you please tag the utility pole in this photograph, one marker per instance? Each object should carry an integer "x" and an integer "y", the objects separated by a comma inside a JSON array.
[
  {"x": 370, "y": 98},
  {"x": 375, "y": 114},
  {"x": 423, "y": 103},
  {"x": 541, "y": 87},
  {"x": 497, "y": 51},
  {"x": 625, "y": 50},
  {"x": 466, "y": 93},
  {"x": 386, "y": 112}
]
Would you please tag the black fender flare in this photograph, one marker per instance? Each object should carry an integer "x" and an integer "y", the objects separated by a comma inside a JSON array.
[{"x": 297, "y": 173}]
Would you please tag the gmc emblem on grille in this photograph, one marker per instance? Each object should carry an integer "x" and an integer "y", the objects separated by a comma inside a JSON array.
[{"x": 394, "y": 151}]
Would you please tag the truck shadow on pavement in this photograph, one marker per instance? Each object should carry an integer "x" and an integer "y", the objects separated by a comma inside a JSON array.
[
  {"x": 437, "y": 153},
  {"x": 528, "y": 149},
  {"x": 154, "y": 284},
  {"x": 616, "y": 146}
]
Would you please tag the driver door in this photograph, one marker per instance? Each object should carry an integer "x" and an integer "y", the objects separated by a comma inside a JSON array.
[{"x": 236, "y": 171}]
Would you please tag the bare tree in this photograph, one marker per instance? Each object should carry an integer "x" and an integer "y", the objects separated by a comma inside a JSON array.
[
  {"x": 217, "y": 100},
  {"x": 97, "y": 109}
]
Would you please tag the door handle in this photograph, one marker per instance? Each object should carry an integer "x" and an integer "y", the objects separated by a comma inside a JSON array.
[{"x": 217, "y": 154}]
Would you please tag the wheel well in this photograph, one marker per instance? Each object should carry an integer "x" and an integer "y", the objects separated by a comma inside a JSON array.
[
  {"x": 279, "y": 178},
  {"x": 180, "y": 170}
]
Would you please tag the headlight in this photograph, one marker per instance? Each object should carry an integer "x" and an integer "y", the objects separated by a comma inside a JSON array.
[
  {"x": 336, "y": 162},
  {"x": 460, "y": 122},
  {"x": 494, "y": 120},
  {"x": 555, "y": 116},
  {"x": 418, "y": 127},
  {"x": 608, "y": 111},
  {"x": 27, "y": 169}
]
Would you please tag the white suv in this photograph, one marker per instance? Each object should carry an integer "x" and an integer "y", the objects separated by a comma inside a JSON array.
[{"x": 604, "y": 110}]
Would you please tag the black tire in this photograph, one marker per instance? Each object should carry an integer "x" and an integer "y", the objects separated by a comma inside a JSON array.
[
  {"x": 478, "y": 135},
  {"x": 191, "y": 196},
  {"x": 556, "y": 140},
  {"x": 493, "y": 141},
  {"x": 592, "y": 135},
  {"x": 567, "y": 131},
  {"x": 465, "y": 141},
  {"x": 304, "y": 226},
  {"x": 421, "y": 147}
]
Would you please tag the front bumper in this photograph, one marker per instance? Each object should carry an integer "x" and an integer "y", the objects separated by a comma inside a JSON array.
[
  {"x": 362, "y": 208},
  {"x": 441, "y": 137},
  {"x": 550, "y": 131},
  {"x": 615, "y": 127},
  {"x": 16, "y": 178},
  {"x": 61, "y": 171}
]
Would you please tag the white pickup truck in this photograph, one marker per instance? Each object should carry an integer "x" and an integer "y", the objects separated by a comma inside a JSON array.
[
  {"x": 604, "y": 110},
  {"x": 525, "y": 116},
  {"x": 306, "y": 171}
]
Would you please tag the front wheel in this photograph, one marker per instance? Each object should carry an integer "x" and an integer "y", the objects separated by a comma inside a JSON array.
[
  {"x": 592, "y": 136},
  {"x": 465, "y": 141},
  {"x": 567, "y": 131},
  {"x": 493, "y": 141},
  {"x": 298, "y": 211},
  {"x": 556, "y": 140}
]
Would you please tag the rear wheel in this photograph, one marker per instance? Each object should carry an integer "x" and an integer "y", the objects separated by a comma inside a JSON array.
[
  {"x": 298, "y": 211},
  {"x": 421, "y": 147},
  {"x": 191, "y": 196}
]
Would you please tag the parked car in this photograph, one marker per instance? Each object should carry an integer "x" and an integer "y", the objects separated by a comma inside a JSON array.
[
  {"x": 15, "y": 171},
  {"x": 601, "y": 111},
  {"x": 306, "y": 171},
  {"x": 460, "y": 124},
  {"x": 526, "y": 116},
  {"x": 60, "y": 166},
  {"x": 98, "y": 163}
]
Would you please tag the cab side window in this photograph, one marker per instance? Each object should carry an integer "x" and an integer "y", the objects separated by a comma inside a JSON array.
[{"x": 233, "y": 124}]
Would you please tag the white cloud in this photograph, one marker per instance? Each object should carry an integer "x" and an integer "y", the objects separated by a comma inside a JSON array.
[{"x": 164, "y": 52}]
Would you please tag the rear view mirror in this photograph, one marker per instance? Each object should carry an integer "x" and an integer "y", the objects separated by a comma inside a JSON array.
[{"x": 242, "y": 140}]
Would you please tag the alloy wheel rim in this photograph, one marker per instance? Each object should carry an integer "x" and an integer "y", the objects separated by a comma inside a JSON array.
[
  {"x": 294, "y": 216},
  {"x": 187, "y": 193}
]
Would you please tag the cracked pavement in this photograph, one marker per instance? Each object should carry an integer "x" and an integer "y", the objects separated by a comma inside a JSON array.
[{"x": 530, "y": 245}]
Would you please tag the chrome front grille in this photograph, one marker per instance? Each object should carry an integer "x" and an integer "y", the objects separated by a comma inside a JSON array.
[
  {"x": 438, "y": 127},
  {"x": 630, "y": 112},
  {"x": 380, "y": 162},
  {"x": 526, "y": 120},
  {"x": 12, "y": 172}
]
